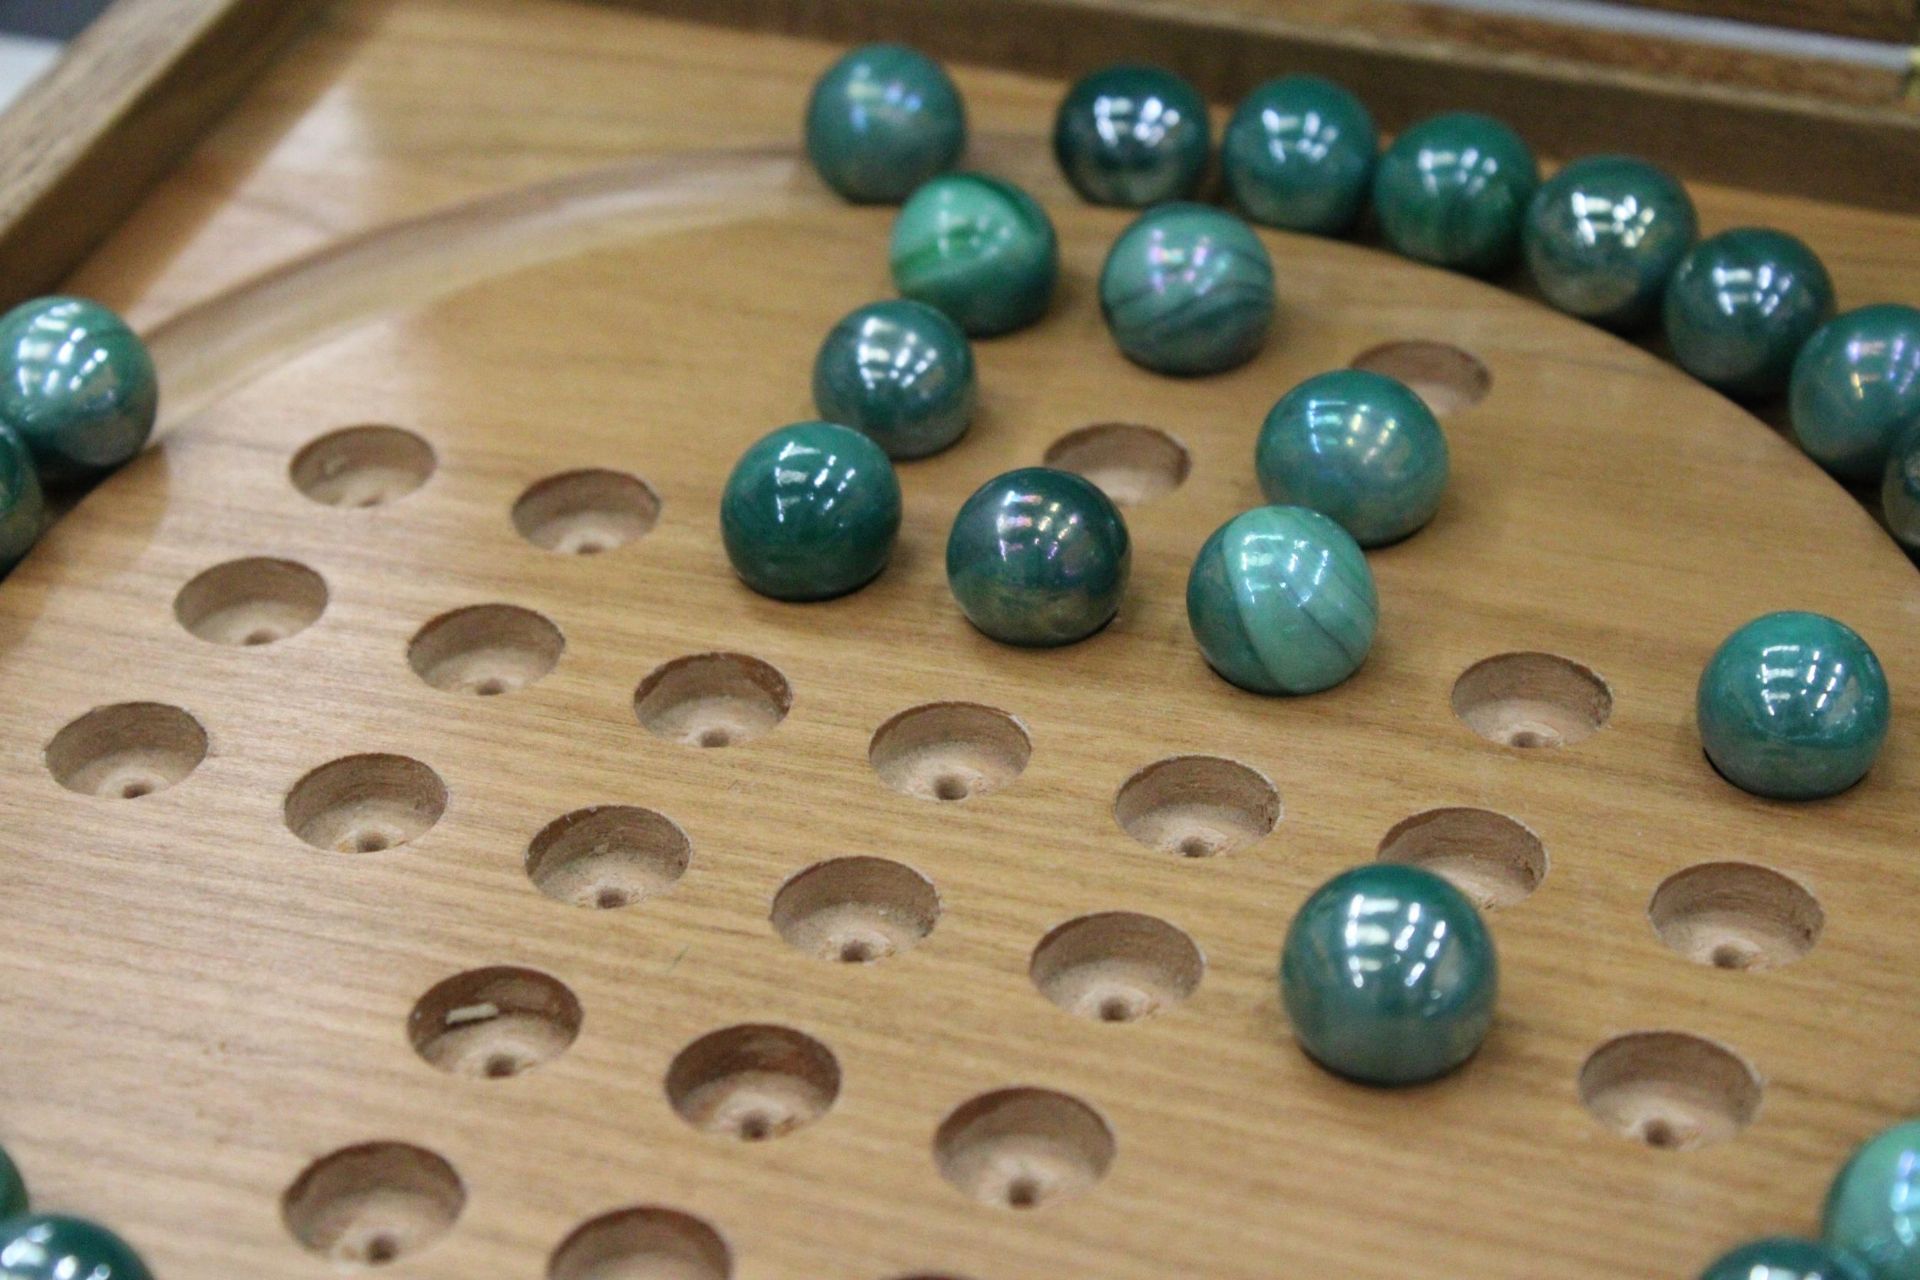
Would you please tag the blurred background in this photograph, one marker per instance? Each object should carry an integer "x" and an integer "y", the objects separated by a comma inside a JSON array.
[{"x": 31, "y": 35}]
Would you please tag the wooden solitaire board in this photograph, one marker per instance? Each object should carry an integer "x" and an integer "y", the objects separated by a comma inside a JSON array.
[{"x": 212, "y": 989}]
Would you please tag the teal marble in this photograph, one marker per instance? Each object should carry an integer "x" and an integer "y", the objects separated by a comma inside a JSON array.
[
  {"x": 77, "y": 386},
  {"x": 1453, "y": 191},
  {"x": 1299, "y": 153},
  {"x": 1855, "y": 386},
  {"x": 1389, "y": 975},
  {"x": 45, "y": 1246},
  {"x": 1604, "y": 235},
  {"x": 13, "y": 1189},
  {"x": 900, "y": 371},
  {"x": 1132, "y": 135},
  {"x": 1873, "y": 1206},
  {"x": 1188, "y": 289},
  {"x": 1038, "y": 557},
  {"x": 1359, "y": 447},
  {"x": 979, "y": 249},
  {"x": 23, "y": 507},
  {"x": 1785, "y": 1258},
  {"x": 810, "y": 512},
  {"x": 1281, "y": 600},
  {"x": 1741, "y": 305},
  {"x": 881, "y": 121},
  {"x": 1900, "y": 490},
  {"x": 1793, "y": 706}
]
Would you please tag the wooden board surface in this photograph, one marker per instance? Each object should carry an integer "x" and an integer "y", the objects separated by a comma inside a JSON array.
[{"x": 1893, "y": 20}]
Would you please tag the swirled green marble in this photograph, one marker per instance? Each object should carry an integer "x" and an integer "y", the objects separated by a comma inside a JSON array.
[
  {"x": 1785, "y": 1258},
  {"x": 1281, "y": 600},
  {"x": 13, "y": 1189},
  {"x": 23, "y": 508},
  {"x": 1900, "y": 490},
  {"x": 1604, "y": 235},
  {"x": 47, "y": 1246},
  {"x": 1453, "y": 191},
  {"x": 1299, "y": 153},
  {"x": 1855, "y": 386},
  {"x": 1188, "y": 289},
  {"x": 1038, "y": 557},
  {"x": 882, "y": 120},
  {"x": 1132, "y": 135},
  {"x": 979, "y": 249},
  {"x": 1873, "y": 1206},
  {"x": 77, "y": 385},
  {"x": 810, "y": 512},
  {"x": 1741, "y": 305},
  {"x": 900, "y": 371}
]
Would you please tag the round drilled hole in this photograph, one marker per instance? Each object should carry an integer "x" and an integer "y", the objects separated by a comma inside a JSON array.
[
  {"x": 1196, "y": 806},
  {"x": 362, "y": 466},
  {"x": 753, "y": 1082},
  {"x": 1444, "y": 376},
  {"x": 608, "y": 856},
  {"x": 1117, "y": 966},
  {"x": 126, "y": 751},
  {"x": 1734, "y": 915},
  {"x": 1530, "y": 700},
  {"x": 365, "y": 804},
  {"x": 494, "y": 1023},
  {"x": 856, "y": 910},
  {"x": 1130, "y": 463},
  {"x": 251, "y": 602},
  {"x": 712, "y": 699},
  {"x": 949, "y": 751},
  {"x": 1669, "y": 1089},
  {"x": 1023, "y": 1148},
  {"x": 485, "y": 650},
  {"x": 373, "y": 1204},
  {"x": 585, "y": 513},
  {"x": 646, "y": 1243},
  {"x": 1488, "y": 856}
]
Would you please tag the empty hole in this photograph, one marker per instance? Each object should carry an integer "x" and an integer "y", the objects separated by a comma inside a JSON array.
[
  {"x": 1488, "y": 856},
  {"x": 584, "y": 513},
  {"x": 362, "y": 466},
  {"x": 1117, "y": 966},
  {"x": 486, "y": 649},
  {"x": 1023, "y": 1148},
  {"x": 642, "y": 1244},
  {"x": 251, "y": 602},
  {"x": 1669, "y": 1089},
  {"x": 753, "y": 1082},
  {"x": 856, "y": 910},
  {"x": 364, "y": 804},
  {"x": 373, "y": 1204},
  {"x": 1196, "y": 806},
  {"x": 1444, "y": 376},
  {"x": 1734, "y": 915},
  {"x": 1532, "y": 700},
  {"x": 949, "y": 750},
  {"x": 1130, "y": 463},
  {"x": 494, "y": 1023},
  {"x": 712, "y": 699},
  {"x": 126, "y": 751},
  {"x": 608, "y": 856}
]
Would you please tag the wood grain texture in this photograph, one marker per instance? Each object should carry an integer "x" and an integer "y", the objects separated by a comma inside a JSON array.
[{"x": 1892, "y": 20}]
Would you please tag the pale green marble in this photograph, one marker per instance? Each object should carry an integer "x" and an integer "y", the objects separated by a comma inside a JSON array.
[
  {"x": 1873, "y": 1206},
  {"x": 979, "y": 249}
]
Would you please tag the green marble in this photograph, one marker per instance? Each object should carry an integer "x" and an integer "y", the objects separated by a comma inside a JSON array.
[
  {"x": 1604, "y": 235},
  {"x": 979, "y": 249},
  {"x": 1741, "y": 305},
  {"x": 1785, "y": 1258},
  {"x": 810, "y": 512},
  {"x": 1359, "y": 447},
  {"x": 1038, "y": 557},
  {"x": 1188, "y": 289},
  {"x": 1873, "y": 1206},
  {"x": 1389, "y": 975},
  {"x": 1855, "y": 386},
  {"x": 1453, "y": 191},
  {"x": 23, "y": 508},
  {"x": 13, "y": 1189},
  {"x": 1299, "y": 153},
  {"x": 1793, "y": 706},
  {"x": 77, "y": 385},
  {"x": 900, "y": 371},
  {"x": 45, "y": 1246},
  {"x": 1900, "y": 490},
  {"x": 1132, "y": 135},
  {"x": 882, "y": 120},
  {"x": 1281, "y": 601}
]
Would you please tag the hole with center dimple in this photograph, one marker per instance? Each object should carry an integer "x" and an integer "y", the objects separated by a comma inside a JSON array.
[
  {"x": 949, "y": 751},
  {"x": 585, "y": 513},
  {"x": 1736, "y": 915},
  {"x": 251, "y": 602},
  {"x": 494, "y": 1023},
  {"x": 1196, "y": 806},
  {"x": 1444, "y": 376},
  {"x": 1130, "y": 463},
  {"x": 608, "y": 856},
  {"x": 1488, "y": 856},
  {"x": 1023, "y": 1148},
  {"x": 1669, "y": 1089},
  {"x": 485, "y": 650},
  {"x": 856, "y": 910},
  {"x": 374, "y": 1204},
  {"x": 712, "y": 699},
  {"x": 362, "y": 466},
  {"x": 1532, "y": 700},
  {"x": 754, "y": 1082},
  {"x": 645, "y": 1243},
  {"x": 1117, "y": 966},
  {"x": 126, "y": 751},
  {"x": 365, "y": 804}
]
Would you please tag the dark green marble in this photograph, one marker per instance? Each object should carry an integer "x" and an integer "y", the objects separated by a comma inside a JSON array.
[
  {"x": 810, "y": 512},
  {"x": 1188, "y": 289},
  {"x": 1855, "y": 387},
  {"x": 979, "y": 249},
  {"x": 13, "y": 1189},
  {"x": 1038, "y": 557},
  {"x": 23, "y": 508},
  {"x": 1453, "y": 191},
  {"x": 1389, "y": 975},
  {"x": 900, "y": 371},
  {"x": 1741, "y": 305},
  {"x": 45, "y": 1246},
  {"x": 1900, "y": 490},
  {"x": 78, "y": 387},
  {"x": 1133, "y": 136},
  {"x": 1604, "y": 235},
  {"x": 1793, "y": 706},
  {"x": 1281, "y": 600},
  {"x": 882, "y": 120},
  {"x": 1299, "y": 153},
  {"x": 1785, "y": 1258},
  {"x": 1873, "y": 1206}
]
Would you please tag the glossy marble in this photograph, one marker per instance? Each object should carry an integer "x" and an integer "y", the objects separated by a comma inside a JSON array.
[
  {"x": 901, "y": 372},
  {"x": 1873, "y": 1206},
  {"x": 77, "y": 385},
  {"x": 1785, "y": 1258},
  {"x": 882, "y": 120},
  {"x": 810, "y": 512},
  {"x": 1855, "y": 386},
  {"x": 1359, "y": 447},
  {"x": 1132, "y": 135},
  {"x": 1900, "y": 490},
  {"x": 1453, "y": 191},
  {"x": 1299, "y": 153},
  {"x": 47, "y": 1246},
  {"x": 13, "y": 1189},
  {"x": 1741, "y": 305},
  {"x": 1188, "y": 289},
  {"x": 1604, "y": 235},
  {"x": 979, "y": 249},
  {"x": 1389, "y": 975},
  {"x": 1038, "y": 557},
  {"x": 1793, "y": 706},
  {"x": 1281, "y": 600},
  {"x": 23, "y": 508}
]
